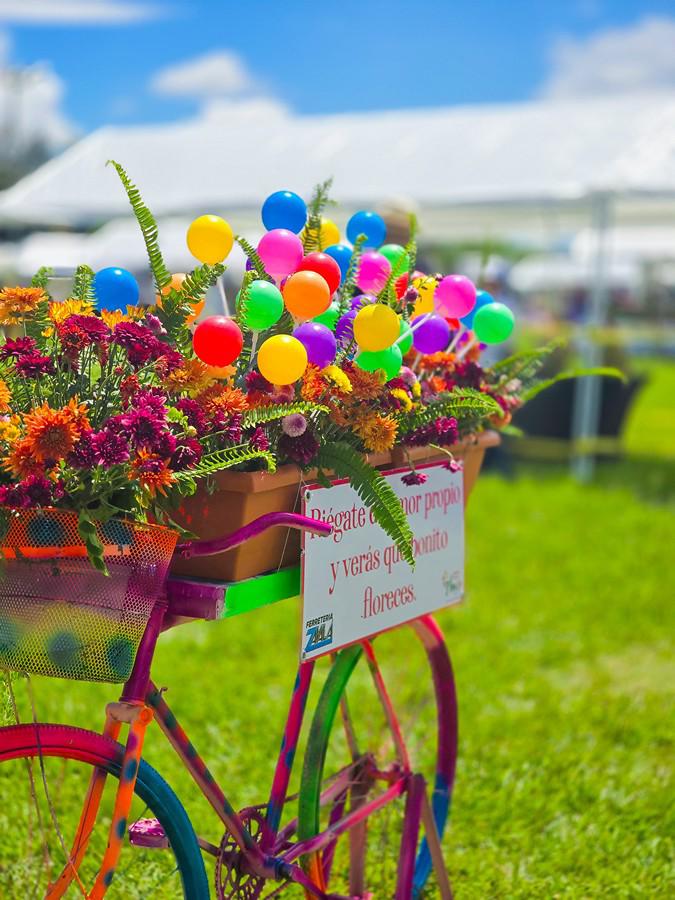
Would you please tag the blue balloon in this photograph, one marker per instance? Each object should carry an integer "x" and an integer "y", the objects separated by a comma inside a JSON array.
[
  {"x": 284, "y": 209},
  {"x": 482, "y": 299},
  {"x": 368, "y": 223},
  {"x": 115, "y": 288},
  {"x": 342, "y": 254}
]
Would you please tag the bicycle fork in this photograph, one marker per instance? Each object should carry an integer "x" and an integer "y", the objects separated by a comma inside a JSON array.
[{"x": 137, "y": 716}]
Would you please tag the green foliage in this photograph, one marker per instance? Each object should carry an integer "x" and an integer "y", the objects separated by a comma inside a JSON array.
[
  {"x": 523, "y": 365},
  {"x": 89, "y": 535},
  {"x": 254, "y": 258},
  {"x": 462, "y": 403},
  {"x": 261, "y": 414},
  {"x": 539, "y": 386},
  {"x": 211, "y": 463},
  {"x": 148, "y": 227},
  {"x": 199, "y": 281},
  {"x": 377, "y": 495},
  {"x": 312, "y": 232},
  {"x": 41, "y": 277},
  {"x": 83, "y": 285},
  {"x": 349, "y": 284}
]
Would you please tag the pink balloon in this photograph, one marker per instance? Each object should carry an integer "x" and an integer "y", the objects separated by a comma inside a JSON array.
[
  {"x": 455, "y": 296},
  {"x": 281, "y": 252},
  {"x": 373, "y": 271}
]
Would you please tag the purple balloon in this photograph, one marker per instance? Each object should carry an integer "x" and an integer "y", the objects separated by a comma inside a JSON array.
[
  {"x": 318, "y": 341},
  {"x": 431, "y": 333},
  {"x": 344, "y": 330},
  {"x": 362, "y": 300},
  {"x": 249, "y": 264}
]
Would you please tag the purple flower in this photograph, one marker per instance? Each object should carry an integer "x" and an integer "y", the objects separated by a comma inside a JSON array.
[
  {"x": 33, "y": 365},
  {"x": 194, "y": 414},
  {"x": 294, "y": 425},
  {"x": 187, "y": 454},
  {"x": 411, "y": 478},
  {"x": 14, "y": 349},
  {"x": 151, "y": 398},
  {"x": 167, "y": 358},
  {"x": 139, "y": 342},
  {"x": 164, "y": 444},
  {"x": 256, "y": 382},
  {"x": 143, "y": 426},
  {"x": 83, "y": 455},
  {"x": 301, "y": 450},
  {"x": 259, "y": 440},
  {"x": 111, "y": 448},
  {"x": 95, "y": 329},
  {"x": 35, "y": 490},
  {"x": 455, "y": 465},
  {"x": 441, "y": 431},
  {"x": 154, "y": 324}
]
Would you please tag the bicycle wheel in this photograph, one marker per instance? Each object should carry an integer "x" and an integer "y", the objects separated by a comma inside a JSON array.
[
  {"x": 375, "y": 726},
  {"x": 31, "y": 852}
]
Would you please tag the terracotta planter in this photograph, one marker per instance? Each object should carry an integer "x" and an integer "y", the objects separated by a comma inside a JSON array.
[{"x": 240, "y": 497}]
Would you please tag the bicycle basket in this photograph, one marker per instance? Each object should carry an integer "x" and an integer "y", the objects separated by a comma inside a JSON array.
[{"x": 61, "y": 617}]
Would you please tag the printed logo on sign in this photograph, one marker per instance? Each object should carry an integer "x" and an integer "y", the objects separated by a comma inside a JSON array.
[{"x": 318, "y": 633}]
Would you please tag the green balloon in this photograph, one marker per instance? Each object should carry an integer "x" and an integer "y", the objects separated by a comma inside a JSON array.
[
  {"x": 493, "y": 323},
  {"x": 264, "y": 305},
  {"x": 388, "y": 360},
  {"x": 330, "y": 317},
  {"x": 394, "y": 253},
  {"x": 407, "y": 342}
]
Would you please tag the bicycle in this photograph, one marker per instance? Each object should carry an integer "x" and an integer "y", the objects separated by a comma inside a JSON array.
[{"x": 330, "y": 845}]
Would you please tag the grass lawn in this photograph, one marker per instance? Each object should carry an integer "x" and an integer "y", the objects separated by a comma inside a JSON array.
[{"x": 563, "y": 654}]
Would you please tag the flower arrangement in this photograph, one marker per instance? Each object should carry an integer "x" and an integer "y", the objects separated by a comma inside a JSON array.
[{"x": 116, "y": 409}]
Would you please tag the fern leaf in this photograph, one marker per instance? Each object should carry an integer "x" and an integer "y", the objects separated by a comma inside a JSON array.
[
  {"x": 211, "y": 463},
  {"x": 349, "y": 283},
  {"x": 254, "y": 258},
  {"x": 461, "y": 403},
  {"x": 148, "y": 227},
  {"x": 346, "y": 462},
  {"x": 83, "y": 285},
  {"x": 199, "y": 281},
  {"x": 41, "y": 277},
  {"x": 261, "y": 414},
  {"x": 311, "y": 236},
  {"x": 538, "y": 387}
]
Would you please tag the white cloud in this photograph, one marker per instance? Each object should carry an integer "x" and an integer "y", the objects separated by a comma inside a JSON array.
[
  {"x": 639, "y": 57},
  {"x": 217, "y": 74},
  {"x": 83, "y": 12}
]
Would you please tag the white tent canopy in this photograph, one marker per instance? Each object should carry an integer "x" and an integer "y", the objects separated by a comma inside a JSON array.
[{"x": 510, "y": 158}]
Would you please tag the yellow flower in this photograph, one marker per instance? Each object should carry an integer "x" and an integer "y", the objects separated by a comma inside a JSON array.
[
  {"x": 9, "y": 429},
  {"x": 113, "y": 317},
  {"x": 193, "y": 376},
  {"x": 378, "y": 433},
  {"x": 403, "y": 398},
  {"x": 5, "y": 396},
  {"x": 18, "y": 302},
  {"x": 60, "y": 310},
  {"x": 337, "y": 377},
  {"x": 416, "y": 389}
]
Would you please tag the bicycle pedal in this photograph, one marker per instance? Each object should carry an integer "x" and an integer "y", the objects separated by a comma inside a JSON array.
[{"x": 148, "y": 833}]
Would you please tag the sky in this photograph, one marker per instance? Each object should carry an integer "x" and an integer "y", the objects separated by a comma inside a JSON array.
[{"x": 97, "y": 62}]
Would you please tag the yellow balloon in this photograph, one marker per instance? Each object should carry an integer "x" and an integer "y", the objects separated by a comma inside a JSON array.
[
  {"x": 210, "y": 239},
  {"x": 425, "y": 287},
  {"x": 282, "y": 359},
  {"x": 330, "y": 234},
  {"x": 376, "y": 327}
]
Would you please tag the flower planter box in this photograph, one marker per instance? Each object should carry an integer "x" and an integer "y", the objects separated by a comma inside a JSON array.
[{"x": 241, "y": 497}]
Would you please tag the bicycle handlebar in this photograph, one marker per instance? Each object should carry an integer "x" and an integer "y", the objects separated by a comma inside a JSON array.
[{"x": 253, "y": 529}]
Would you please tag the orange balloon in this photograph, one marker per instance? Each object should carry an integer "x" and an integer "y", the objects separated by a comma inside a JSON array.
[
  {"x": 306, "y": 294},
  {"x": 176, "y": 284}
]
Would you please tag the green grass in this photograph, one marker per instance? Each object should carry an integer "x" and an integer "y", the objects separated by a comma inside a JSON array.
[{"x": 563, "y": 654}]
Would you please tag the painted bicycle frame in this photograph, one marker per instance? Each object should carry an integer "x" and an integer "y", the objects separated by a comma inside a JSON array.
[{"x": 300, "y": 852}]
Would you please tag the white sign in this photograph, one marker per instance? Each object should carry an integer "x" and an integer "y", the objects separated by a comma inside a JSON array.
[{"x": 355, "y": 582}]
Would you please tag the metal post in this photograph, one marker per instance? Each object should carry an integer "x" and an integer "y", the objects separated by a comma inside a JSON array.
[{"x": 588, "y": 391}]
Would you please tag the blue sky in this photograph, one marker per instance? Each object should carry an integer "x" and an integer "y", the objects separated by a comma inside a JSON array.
[{"x": 131, "y": 61}]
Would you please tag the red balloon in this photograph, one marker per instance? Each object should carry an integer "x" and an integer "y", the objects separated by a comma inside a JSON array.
[
  {"x": 453, "y": 323},
  {"x": 401, "y": 285},
  {"x": 217, "y": 341},
  {"x": 325, "y": 266}
]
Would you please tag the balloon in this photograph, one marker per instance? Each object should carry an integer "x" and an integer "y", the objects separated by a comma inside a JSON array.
[
  {"x": 282, "y": 359},
  {"x": 376, "y": 327},
  {"x": 342, "y": 254},
  {"x": 209, "y": 239},
  {"x": 482, "y": 299},
  {"x": 281, "y": 252},
  {"x": 389, "y": 360},
  {"x": 217, "y": 341},
  {"x": 368, "y": 223},
  {"x": 284, "y": 209},
  {"x": 176, "y": 284},
  {"x": 373, "y": 271},
  {"x": 493, "y": 323},
  {"x": 318, "y": 341},
  {"x": 115, "y": 288},
  {"x": 306, "y": 294},
  {"x": 431, "y": 333},
  {"x": 455, "y": 296},
  {"x": 401, "y": 285},
  {"x": 397, "y": 256},
  {"x": 344, "y": 330},
  {"x": 264, "y": 305},
  {"x": 330, "y": 317},
  {"x": 425, "y": 285},
  {"x": 329, "y": 234},
  {"x": 363, "y": 300},
  {"x": 407, "y": 342},
  {"x": 323, "y": 265}
]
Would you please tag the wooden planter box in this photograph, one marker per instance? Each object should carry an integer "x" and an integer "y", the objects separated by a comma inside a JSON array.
[{"x": 241, "y": 497}]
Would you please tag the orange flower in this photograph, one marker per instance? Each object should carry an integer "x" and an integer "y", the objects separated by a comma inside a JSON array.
[
  {"x": 18, "y": 302},
  {"x": 51, "y": 433},
  {"x": 193, "y": 376},
  {"x": 365, "y": 385},
  {"x": 21, "y": 460},
  {"x": 313, "y": 385},
  {"x": 378, "y": 433},
  {"x": 433, "y": 361},
  {"x": 79, "y": 413},
  {"x": 5, "y": 397},
  {"x": 151, "y": 472},
  {"x": 220, "y": 398}
]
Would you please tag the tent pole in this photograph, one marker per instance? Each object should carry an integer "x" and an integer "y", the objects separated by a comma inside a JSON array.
[{"x": 588, "y": 391}]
